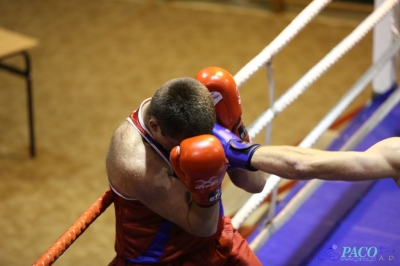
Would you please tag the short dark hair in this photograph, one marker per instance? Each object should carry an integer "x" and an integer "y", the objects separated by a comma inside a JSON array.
[{"x": 183, "y": 108}]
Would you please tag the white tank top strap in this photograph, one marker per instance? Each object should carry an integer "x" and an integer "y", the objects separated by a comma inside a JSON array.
[
  {"x": 119, "y": 194},
  {"x": 135, "y": 119}
]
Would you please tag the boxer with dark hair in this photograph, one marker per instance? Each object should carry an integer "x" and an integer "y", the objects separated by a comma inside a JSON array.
[{"x": 165, "y": 169}]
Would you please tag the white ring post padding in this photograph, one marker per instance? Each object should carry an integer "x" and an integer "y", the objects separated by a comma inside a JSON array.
[
  {"x": 280, "y": 41},
  {"x": 383, "y": 35},
  {"x": 307, "y": 191},
  {"x": 321, "y": 67},
  {"x": 255, "y": 200}
]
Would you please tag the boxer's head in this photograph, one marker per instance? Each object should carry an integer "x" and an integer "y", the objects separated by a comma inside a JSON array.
[{"x": 182, "y": 108}]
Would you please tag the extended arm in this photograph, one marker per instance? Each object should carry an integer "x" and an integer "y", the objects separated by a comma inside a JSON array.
[{"x": 382, "y": 160}]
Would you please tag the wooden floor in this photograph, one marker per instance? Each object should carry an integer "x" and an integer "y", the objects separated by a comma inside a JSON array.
[{"x": 97, "y": 60}]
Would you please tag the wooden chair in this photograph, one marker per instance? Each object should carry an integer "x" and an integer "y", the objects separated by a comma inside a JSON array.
[{"x": 15, "y": 44}]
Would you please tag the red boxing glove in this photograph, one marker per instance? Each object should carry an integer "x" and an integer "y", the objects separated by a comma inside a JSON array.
[
  {"x": 200, "y": 164},
  {"x": 226, "y": 98}
]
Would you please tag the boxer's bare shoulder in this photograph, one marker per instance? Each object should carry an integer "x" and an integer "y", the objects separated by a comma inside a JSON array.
[{"x": 131, "y": 162}]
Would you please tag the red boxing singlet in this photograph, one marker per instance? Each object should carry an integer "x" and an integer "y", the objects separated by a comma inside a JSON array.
[{"x": 144, "y": 237}]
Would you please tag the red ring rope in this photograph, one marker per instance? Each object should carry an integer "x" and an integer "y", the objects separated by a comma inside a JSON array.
[{"x": 76, "y": 229}]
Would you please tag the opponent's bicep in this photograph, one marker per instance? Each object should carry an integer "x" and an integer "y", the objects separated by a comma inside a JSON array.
[{"x": 387, "y": 154}]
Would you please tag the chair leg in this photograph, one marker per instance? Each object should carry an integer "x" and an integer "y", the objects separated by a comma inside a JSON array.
[{"x": 28, "y": 77}]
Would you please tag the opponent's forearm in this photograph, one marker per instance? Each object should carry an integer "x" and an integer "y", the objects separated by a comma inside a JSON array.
[
  {"x": 282, "y": 161},
  {"x": 302, "y": 163}
]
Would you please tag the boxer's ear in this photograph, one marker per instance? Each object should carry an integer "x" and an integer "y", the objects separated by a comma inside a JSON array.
[{"x": 154, "y": 124}]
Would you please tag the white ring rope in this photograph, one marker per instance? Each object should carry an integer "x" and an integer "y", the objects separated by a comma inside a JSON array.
[
  {"x": 257, "y": 199},
  {"x": 254, "y": 201},
  {"x": 307, "y": 191},
  {"x": 349, "y": 97},
  {"x": 321, "y": 67},
  {"x": 285, "y": 214},
  {"x": 327, "y": 121},
  {"x": 312, "y": 10}
]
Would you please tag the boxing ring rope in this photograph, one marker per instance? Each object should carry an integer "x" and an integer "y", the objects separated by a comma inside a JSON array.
[
  {"x": 311, "y": 186},
  {"x": 76, "y": 229},
  {"x": 321, "y": 67},
  {"x": 295, "y": 91},
  {"x": 301, "y": 20},
  {"x": 316, "y": 133}
]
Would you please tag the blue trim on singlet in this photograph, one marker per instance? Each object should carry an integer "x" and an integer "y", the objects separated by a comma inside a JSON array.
[
  {"x": 150, "y": 139},
  {"x": 139, "y": 125},
  {"x": 156, "y": 249}
]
